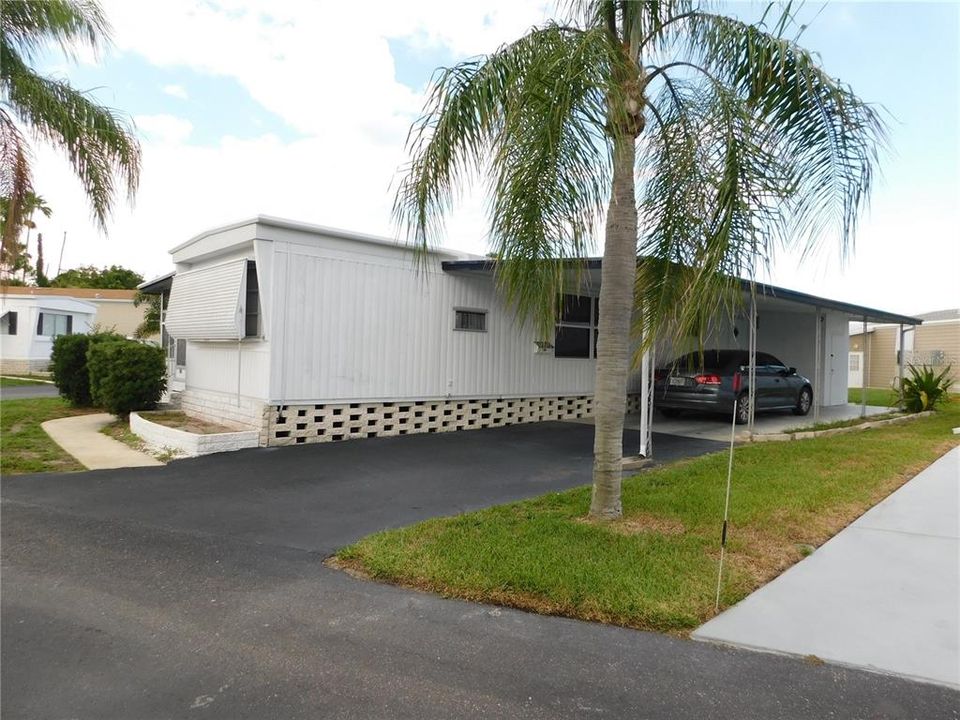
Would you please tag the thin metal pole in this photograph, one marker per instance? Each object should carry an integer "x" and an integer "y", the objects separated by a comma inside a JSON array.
[
  {"x": 62, "y": 246},
  {"x": 726, "y": 506},
  {"x": 865, "y": 370},
  {"x": 239, "y": 345},
  {"x": 900, "y": 363},
  {"x": 752, "y": 372}
]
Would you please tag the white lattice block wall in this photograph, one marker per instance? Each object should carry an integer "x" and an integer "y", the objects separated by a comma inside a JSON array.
[{"x": 331, "y": 422}]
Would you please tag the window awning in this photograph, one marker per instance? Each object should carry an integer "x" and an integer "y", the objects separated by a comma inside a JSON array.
[{"x": 208, "y": 304}]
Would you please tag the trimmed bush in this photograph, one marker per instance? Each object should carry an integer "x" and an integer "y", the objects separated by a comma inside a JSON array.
[
  {"x": 126, "y": 375},
  {"x": 68, "y": 363}
]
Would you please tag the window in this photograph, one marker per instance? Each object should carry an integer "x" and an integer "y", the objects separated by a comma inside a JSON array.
[
  {"x": 252, "y": 318},
  {"x": 180, "y": 351},
  {"x": 470, "y": 320},
  {"x": 53, "y": 324},
  {"x": 8, "y": 323},
  {"x": 576, "y": 333}
]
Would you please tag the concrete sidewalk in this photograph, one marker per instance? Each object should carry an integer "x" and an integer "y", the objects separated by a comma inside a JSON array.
[
  {"x": 81, "y": 437},
  {"x": 884, "y": 594}
]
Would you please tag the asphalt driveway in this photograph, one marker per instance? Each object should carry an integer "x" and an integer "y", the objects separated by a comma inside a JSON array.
[
  {"x": 33, "y": 390},
  {"x": 198, "y": 588}
]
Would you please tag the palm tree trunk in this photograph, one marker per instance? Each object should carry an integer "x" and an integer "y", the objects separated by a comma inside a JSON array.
[{"x": 613, "y": 342}]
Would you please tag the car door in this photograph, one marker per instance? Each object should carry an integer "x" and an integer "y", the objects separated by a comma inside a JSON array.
[
  {"x": 767, "y": 382},
  {"x": 782, "y": 386}
]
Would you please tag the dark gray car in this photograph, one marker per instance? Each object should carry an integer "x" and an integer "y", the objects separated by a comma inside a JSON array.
[{"x": 714, "y": 381}]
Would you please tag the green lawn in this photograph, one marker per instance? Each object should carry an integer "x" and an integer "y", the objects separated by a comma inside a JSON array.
[
  {"x": 24, "y": 446},
  {"x": 18, "y": 381},
  {"x": 881, "y": 397},
  {"x": 656, "y": 569}
]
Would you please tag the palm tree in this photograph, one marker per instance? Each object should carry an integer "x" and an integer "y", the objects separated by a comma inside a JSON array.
[
  {"x": 33, "y": 203},
  {"x": 98, "y": 143},
  {"x": 741, "y": 144}
]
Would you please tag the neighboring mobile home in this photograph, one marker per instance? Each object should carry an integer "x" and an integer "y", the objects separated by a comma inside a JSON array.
[
  {"x": 875, "y": 357},
  {"x": 29, "y": 323},
  {"x": 312, "y": 334}
]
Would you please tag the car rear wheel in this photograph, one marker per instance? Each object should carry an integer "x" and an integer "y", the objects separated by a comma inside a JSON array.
[
  {"x": 742, "y": 410},
  {"x": 804, "y": 402}
]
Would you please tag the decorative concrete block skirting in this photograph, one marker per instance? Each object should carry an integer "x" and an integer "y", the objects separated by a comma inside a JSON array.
[
  {"x": 191, "y": 444},
  {"x": 809, "y": 434},
  {"x": 331, "y": 422}
]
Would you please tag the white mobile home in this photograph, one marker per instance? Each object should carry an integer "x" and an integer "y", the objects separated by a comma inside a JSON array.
[
  {"x": 312, "y": 334},
  {"x": 29, "y": 323}
]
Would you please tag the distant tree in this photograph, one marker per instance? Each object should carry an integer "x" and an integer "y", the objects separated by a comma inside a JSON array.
[
  {"x": 41, "y": 276},
  {"x": 99, "y": 144},
  {"x": 11, "y": 253},
  {"x": 114, "y": 277}
]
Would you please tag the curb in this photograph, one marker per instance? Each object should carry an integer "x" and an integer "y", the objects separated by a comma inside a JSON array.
[{"x": 810, "y": 434}]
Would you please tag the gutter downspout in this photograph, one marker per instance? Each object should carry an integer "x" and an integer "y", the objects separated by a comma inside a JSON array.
[
  {"x": 817, "y": 368},
  {"x": 865, "y": 369}
]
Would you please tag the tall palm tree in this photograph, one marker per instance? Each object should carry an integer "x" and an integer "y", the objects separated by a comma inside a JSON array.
[
  {"x": 32, "y": 204},
  {"x": 741, "y": 144},
  {"x": 98, "y": 142}
]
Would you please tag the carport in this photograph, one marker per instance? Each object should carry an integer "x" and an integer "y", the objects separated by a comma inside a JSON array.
[{"x": 804, "y": 331}]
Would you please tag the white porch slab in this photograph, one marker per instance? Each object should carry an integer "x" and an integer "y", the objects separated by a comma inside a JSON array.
[
  {"x": 707, "y": 427},
  {"x": 883, "y": 594}
]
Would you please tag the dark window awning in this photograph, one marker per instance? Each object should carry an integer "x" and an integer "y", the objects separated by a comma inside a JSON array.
[{"x": 158, "y": 285}]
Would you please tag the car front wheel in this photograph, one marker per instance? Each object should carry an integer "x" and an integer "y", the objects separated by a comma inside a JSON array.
[{"x": 804, "y": 402}]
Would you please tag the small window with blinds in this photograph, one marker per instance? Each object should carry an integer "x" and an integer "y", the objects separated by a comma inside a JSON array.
[{"x": 470, "y": 320}]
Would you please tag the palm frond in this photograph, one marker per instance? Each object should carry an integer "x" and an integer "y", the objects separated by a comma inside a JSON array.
[
  {"x": 828, "y": 138},
  {"x": 30, "y": 25},
  {"x": 15, "y": 183},
  {"x": 710, "y": 194},
  {"x": 534, "y": 116},
  {"x": 99, "y": 145}
]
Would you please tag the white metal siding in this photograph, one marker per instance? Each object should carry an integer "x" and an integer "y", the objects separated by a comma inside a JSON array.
[
  {"x": 372, "y": 327},
  {"x": 207, "y": 304}
]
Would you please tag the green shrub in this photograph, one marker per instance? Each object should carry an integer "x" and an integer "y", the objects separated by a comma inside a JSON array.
[
  {"x": 126, "y": 375},
  {"x": 68, "y": 363},
  {"x": 924, "y": 389}
]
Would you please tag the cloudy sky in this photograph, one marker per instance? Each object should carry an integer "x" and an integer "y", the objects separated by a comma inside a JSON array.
[{"x": 300, "y": 108}]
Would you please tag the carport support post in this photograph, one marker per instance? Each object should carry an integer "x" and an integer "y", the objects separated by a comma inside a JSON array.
[
  {"x": 646, "y": 397},
  {"x": 900, "y": 359},
  {"x": 817, "y": 368},
  {"x": 864, "y": 370}
]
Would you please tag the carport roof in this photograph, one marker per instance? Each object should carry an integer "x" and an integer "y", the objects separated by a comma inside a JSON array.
[{"x": 853, "y": 312}]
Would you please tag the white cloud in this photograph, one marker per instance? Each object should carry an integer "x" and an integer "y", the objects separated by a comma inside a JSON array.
[
  {"x": 163, "y": 129},
  {"x": 177, "y": 91},
  {"x": 334, "y": 81},
  {"x": 337, "y": 88}
]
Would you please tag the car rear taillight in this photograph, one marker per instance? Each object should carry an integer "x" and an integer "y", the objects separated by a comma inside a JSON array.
[
  {"x": 707, "y": 379},
  {"x": 737, "y": 379}
]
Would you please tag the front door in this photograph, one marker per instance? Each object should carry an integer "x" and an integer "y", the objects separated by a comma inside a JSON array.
[{"x": 855, "y": 370}]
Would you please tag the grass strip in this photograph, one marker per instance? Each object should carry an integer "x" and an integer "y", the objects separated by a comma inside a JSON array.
[
  {"x": 24, "y": 446},
  {"x": 656, "y": 568}
]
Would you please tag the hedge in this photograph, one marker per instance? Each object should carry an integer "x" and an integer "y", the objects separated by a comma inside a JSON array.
[
  {"x": 126, "y": 375},
  {"x": 68, "y": 363}
]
